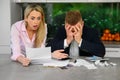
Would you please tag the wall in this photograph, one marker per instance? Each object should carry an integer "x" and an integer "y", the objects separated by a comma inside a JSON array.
[
  {"x": 15, "y": 11},
  {"x": 4, "y": 26},
  {"x": 8, "y": 13}
]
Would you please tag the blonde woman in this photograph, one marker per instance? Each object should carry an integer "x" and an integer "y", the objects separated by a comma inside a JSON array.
[{"x": 30, "y": 32}]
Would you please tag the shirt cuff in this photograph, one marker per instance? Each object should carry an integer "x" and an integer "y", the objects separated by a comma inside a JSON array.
[
  {"x": 80, "y": 43},
  {"x": 65, "y": 43},
  {"x": 15, "y": 56}
]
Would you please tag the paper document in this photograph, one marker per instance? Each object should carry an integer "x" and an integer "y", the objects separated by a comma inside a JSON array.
[
  {"x": 43, "y": 56},
  {"x": 82, "y": 62},
  {"x": 38, "y": 53},
  {"x": 57, "y": 63},
  {"x": 50, "y": 62}
]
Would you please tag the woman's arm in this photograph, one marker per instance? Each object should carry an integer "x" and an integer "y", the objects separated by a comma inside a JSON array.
[{"x": 15, "y": 46}]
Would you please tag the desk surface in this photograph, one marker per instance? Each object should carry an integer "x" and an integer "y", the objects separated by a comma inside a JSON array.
[{"x": 10, "y": 70}]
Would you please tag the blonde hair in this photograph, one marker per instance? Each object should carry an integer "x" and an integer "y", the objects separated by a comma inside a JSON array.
[{"x": 40, "y": 34}]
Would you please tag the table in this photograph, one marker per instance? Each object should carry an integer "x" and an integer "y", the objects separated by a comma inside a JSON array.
[{"x": 10, "y": 70}]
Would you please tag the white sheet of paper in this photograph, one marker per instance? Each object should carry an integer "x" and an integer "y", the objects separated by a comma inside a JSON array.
[
  {"x": 57, "y": 63},
  {"x": 50, "y": 62},
  {"x": 82, "y": 62},
  {"x": 38, "y": 53}
]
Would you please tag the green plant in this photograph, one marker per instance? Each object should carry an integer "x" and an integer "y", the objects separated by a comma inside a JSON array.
[{"x": 97, "y": 15}]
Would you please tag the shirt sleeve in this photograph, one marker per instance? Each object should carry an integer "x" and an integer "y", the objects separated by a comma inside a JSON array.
[
  {"x": 65, "y": 43},
  {"x": 15, "y": 43}
]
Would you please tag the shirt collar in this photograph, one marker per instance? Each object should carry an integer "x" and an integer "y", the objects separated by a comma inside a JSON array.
[{"x": 23, "y": 26}]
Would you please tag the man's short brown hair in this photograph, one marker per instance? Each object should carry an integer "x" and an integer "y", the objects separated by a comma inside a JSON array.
[{"x": 73, "y": 17}]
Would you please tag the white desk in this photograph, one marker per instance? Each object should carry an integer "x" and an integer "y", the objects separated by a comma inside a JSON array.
[{"x": 14, "y": 71}]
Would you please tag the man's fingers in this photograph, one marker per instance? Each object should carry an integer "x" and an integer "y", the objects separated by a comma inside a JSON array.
[{"x": 77, "y": 28}]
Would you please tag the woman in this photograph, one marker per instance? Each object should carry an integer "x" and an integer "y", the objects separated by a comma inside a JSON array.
[{"x": 30, "y": 32}]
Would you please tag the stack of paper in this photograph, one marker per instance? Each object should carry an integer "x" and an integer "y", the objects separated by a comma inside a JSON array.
[
  {"x": 57, "y": 63},
  {"x": 43, "y": 56},
  {"x": 82, "y": 62}
]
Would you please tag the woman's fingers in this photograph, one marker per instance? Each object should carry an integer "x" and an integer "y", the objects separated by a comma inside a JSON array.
[{"x": 26, "y": 62}]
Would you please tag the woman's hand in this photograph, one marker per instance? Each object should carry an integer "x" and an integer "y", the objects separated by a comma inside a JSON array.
[
  {"x": 25, "y": 61},
  {"x": 59, "y": 55}
]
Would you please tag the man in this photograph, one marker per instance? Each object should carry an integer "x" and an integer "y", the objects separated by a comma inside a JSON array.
[{"x": 87, "y": 38}]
